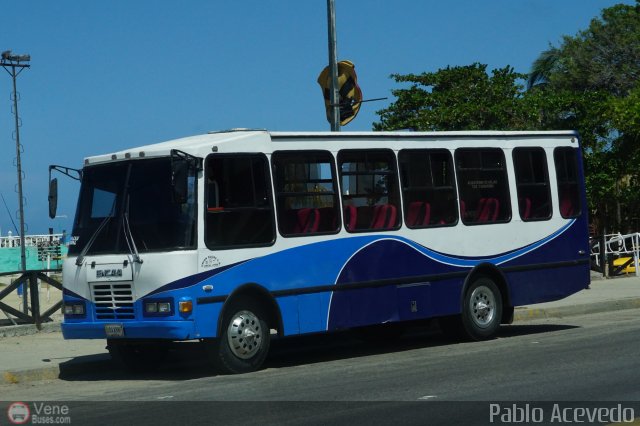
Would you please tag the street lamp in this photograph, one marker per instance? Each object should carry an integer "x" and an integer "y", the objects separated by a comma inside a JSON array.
[
  {"x": 334, "y": 94},
  {"x": 14, "y": 65},
  {"x": 8, "y": 56}
]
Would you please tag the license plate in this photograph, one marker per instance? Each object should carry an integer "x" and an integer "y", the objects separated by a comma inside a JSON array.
[{"x": 114, "y": 330}]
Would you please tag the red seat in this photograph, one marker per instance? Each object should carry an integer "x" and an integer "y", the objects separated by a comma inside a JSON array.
[
  {"x": 488, "y": 210},
  {"x": 350, "y": 217},
  {"x": 480, "y": 208},
  {"x": 525, "y": 208},
  {"x": 307, "y": 222},
  {"x": 384, "y": 216},
  {"x": 566, "y": 207},
  {"x": 569, "y": 204},
  {"x": 419, "y": 213}
]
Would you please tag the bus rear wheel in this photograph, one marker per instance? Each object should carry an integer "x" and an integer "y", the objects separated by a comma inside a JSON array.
[
  {"x": 481, "y": 312},
  {"x": 244, "y": 341},
  {"x": 482, "y": 309}
]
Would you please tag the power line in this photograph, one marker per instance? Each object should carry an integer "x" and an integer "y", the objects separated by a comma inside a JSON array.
[{"x": 9, "y": 213}]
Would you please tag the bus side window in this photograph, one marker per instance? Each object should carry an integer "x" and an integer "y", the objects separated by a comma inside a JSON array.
[
  {"x": 306, "y": 192},
  {"x": 428, "y": 187},
  {"x": 483, "y": 185},
  {"x": 566, "y": 164},
  {"x": 532, "y": 183},
  {"x": 369, "y": 189},
  {"x": 239, "y": 210}
]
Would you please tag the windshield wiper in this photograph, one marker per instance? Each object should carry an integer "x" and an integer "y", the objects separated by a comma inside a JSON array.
[
  {"x": 128, "y": 235},
  {"x": 86, "y": 248}
]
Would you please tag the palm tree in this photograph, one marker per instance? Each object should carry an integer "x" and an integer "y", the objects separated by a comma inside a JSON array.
[{"x": 542, "y": 67}]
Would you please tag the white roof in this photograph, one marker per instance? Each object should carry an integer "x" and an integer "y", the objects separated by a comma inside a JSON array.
[{"x": 204, "y": 143}]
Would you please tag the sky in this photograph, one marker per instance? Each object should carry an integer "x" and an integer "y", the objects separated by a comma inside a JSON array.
[{"x": 111, "y": 75}]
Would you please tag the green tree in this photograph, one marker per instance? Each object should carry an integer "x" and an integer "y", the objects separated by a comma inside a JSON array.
[
  {"x": 588, "y": 83},
  {"x": 603, "y": 62},
  {"x": 456, "y": 98},
  {"x": 468, "y": 98},
  {"x": 604, "y": 57}
]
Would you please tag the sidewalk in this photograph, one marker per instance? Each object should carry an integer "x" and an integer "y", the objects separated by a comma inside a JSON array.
[
  {"x": 27, "y": 355},
  {"x": 612, "y": 294}
]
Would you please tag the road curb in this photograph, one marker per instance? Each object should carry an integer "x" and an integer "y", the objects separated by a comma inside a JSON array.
[
  {"x": 527, "y": 314},
  {"x": 60, "y": 371},
  {"x": 26, "y": 376}
]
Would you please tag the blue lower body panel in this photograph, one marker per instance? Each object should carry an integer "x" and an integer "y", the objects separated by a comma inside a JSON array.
[{"x": 173, "y": 330}]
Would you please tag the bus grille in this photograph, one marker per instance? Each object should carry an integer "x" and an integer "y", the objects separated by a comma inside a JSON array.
[{"x": 114, "y": 301}]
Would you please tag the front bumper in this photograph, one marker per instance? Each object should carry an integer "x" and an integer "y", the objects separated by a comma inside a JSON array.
[{"x": 172, "y": 330}]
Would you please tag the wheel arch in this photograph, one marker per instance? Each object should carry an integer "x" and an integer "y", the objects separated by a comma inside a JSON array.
[
  {"x": 497, "y": 276},
  {"x": 252, "y": 292}
]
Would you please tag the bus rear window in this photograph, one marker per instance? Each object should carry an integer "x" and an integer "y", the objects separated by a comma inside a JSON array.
[{"x": 567, "y": 173}]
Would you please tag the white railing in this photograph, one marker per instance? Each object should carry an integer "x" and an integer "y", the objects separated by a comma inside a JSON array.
[
  {"x": 618, "y": 245},
  {"x": 11, "y": 241}
]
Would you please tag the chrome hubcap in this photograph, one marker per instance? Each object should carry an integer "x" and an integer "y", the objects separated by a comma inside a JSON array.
[
  {"x": 244, "y": 334},
  {"x": 482, "y": 306}
]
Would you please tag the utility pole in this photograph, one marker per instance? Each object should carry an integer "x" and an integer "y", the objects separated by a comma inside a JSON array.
[
  {"x": 333, "y": 67},
  {"x": 14, "y": 65}
]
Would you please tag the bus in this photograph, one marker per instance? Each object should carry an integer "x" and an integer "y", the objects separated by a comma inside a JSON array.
[{"x": 234, "y": 238}]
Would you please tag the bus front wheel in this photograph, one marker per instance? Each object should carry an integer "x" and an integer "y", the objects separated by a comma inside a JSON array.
[
  {"x": 482, "y": 309},
  {"x": 244, "y": 341}
]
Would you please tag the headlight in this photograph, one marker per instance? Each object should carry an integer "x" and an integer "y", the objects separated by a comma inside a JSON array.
[
  {"x": 158, "y": 307},
  {"x": 74, "y": 309}
]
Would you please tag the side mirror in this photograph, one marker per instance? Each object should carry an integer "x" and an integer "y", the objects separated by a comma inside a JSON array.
[
  {"x": 53, "y": 197},
  {"x": 183, "y": 167}
]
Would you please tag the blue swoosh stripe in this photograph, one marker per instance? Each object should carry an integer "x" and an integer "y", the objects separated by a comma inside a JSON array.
[{"x": 497, "y": 260}]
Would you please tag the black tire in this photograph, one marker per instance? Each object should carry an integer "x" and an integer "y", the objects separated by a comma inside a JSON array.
[
  {"x": 481, "y": 312},
  {"x": 481, "y": 309},
  {"x": 244, "y": 339},
  {"x": 137, "y": 357}
]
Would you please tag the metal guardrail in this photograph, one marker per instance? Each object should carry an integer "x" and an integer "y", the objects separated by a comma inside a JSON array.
[
  {"x": 29, "y": 279},
  {"x": 12, "y": 241},
  {"x": 615, "y": 246}
]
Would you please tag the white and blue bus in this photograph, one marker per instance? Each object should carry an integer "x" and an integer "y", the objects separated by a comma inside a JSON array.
[{"x": 235, "y": 237}]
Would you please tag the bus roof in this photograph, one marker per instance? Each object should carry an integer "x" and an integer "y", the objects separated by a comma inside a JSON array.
[{"x": 205, "y": 142}]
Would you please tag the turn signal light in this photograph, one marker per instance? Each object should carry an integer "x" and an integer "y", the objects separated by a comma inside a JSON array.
[{"x": 186, "y": 306}]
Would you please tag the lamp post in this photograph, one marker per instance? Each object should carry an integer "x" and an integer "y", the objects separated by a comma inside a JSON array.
[
  {"x": 334, "y": 95},
  {"x": 14, "y": 65}
]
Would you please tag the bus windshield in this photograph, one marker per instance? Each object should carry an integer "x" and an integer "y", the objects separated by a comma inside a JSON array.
[{"x": 132, "y": 199}]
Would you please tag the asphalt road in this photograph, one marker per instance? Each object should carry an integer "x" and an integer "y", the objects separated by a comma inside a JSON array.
[{"x": 419, "y": 379}]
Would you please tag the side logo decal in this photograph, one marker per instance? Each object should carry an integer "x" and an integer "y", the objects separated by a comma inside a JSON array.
[{"x": 210, "y": 262}]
